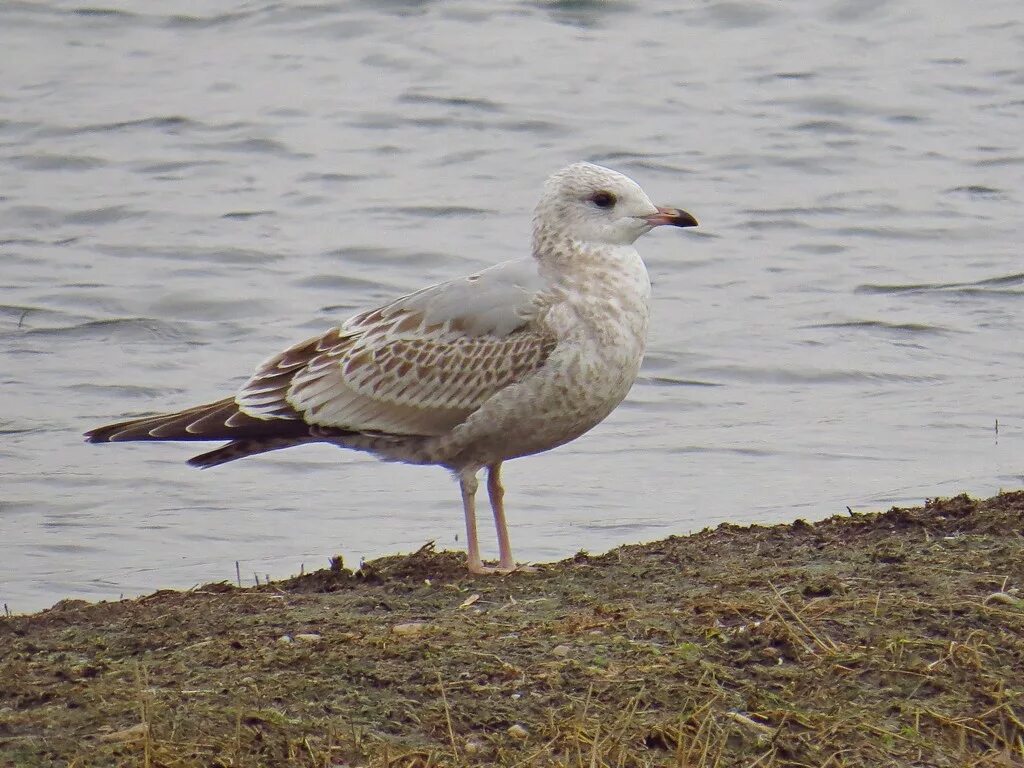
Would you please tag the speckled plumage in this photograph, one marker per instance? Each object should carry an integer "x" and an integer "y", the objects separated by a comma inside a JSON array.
[{"x": 511, "y": 361}]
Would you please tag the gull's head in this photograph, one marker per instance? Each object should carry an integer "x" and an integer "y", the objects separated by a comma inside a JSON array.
[{"x": 596, "y": 205}]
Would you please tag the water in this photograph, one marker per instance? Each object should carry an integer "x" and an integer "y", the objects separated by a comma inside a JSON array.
[{"x": 184, "y": 194}]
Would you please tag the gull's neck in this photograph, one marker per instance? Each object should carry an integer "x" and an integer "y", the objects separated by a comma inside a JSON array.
[{"x": 560, "y": 252}]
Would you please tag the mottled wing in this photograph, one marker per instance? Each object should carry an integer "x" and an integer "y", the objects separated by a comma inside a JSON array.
[{"x": 417, "y": 366}]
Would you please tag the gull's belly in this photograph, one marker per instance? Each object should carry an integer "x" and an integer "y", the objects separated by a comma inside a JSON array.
[
  {"x": 578, "y": 393},
  {"x": 583, "y": 381}
]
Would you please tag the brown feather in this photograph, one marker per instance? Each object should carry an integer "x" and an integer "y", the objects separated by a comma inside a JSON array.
[
  {"x": 221, "y": 420},
  {"x": 239, "y": 449}
]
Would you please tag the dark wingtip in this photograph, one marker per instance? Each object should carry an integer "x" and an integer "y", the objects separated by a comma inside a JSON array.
[{"x": 109, "y": 433}]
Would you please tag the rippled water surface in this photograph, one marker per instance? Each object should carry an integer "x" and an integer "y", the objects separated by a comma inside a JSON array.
[{"x": 185, "y": 193}]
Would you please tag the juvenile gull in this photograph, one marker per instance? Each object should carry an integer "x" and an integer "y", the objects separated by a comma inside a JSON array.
[{"x": 514, "y": 360}]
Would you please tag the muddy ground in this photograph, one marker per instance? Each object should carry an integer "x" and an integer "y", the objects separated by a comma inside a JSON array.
[{"x": 863, "y": 640}]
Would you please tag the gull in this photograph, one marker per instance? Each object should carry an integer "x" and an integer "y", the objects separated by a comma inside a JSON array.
[{"x": 516, "y": 359}]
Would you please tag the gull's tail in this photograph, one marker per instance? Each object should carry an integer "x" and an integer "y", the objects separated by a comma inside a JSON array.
[{"x": 222, "y": 420}]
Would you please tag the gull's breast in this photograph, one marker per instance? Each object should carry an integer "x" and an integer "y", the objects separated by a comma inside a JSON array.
[{"x": 600, "y": 321}]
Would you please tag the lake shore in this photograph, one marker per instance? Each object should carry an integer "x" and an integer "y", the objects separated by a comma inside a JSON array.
[{"x": 892, "y": 638}]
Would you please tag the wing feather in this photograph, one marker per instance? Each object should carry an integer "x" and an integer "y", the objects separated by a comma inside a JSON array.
[{"x": 417, "y": 366}]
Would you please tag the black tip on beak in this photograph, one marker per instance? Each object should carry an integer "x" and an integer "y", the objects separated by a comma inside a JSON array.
[
  {"x": 673, "y": 217},
  {"x": 685, "y": 220},
  {"x": 682, "y": 219}
]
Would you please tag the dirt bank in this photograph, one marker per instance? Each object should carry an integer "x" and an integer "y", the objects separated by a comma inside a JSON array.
[{"x": 863, "y": 640}]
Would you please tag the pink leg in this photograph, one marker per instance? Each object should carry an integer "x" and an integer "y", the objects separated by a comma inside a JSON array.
[
  {"x": 468, "y": 483},
  {"x": 496, "y": 493}
]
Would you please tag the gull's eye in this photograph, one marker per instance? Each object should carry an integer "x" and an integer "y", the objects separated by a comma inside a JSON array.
[{"x": 603, "y": 199}]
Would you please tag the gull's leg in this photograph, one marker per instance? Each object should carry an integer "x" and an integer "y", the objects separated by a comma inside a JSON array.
[
  {"x": 496, "y": 493},
  {"x": 468, "y": 483}
]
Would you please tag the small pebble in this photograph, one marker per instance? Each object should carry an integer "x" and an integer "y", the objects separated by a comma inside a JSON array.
[
  {"x": 561, "y": 650},
  {"x": 308, "y": 637},
  {"x": 411, "y": 628},
  {"x": 473, "y": 747},
  {"x": 1005, "y": 598},
  {"x": 137, "y": 731},
  {"x": 284, "y": 639},
  {"x": 517, "y": 731}
]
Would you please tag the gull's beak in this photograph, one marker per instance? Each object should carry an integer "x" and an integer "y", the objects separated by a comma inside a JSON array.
[{"x": 673, "y": 216}]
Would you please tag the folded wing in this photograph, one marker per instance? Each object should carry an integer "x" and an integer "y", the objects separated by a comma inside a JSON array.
[{"x": 417, "y": 366}]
